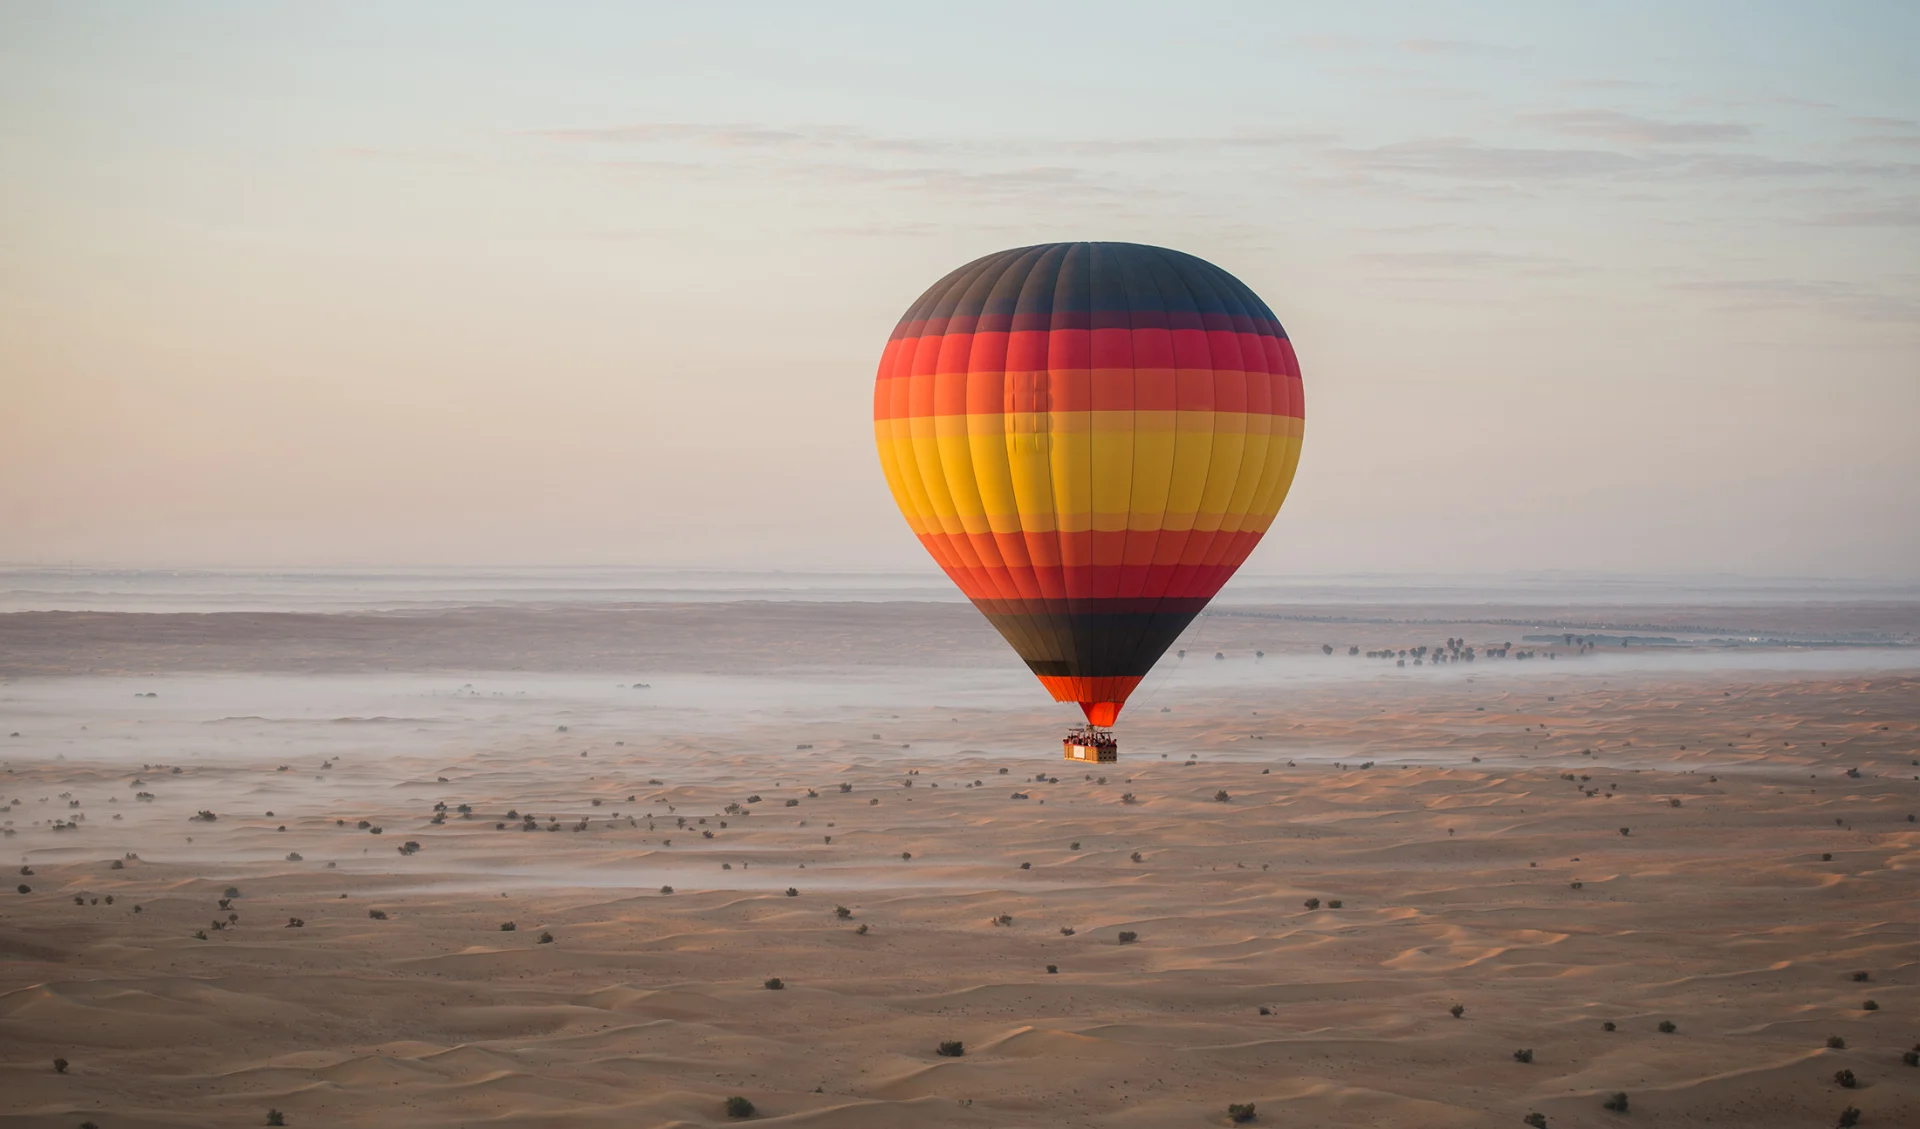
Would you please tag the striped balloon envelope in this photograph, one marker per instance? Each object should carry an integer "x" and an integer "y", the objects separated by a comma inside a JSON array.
[{"x": 1089, "y": 438}]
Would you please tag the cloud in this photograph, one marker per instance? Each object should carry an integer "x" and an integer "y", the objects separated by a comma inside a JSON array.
[
  {"x": 642, "y": 133},
  {"x": 1452, "y": 47},
  {"x": 1844, "y": 298},
  {"x": 1465, "y": 159},
  {"x": 747, "y": 136},
  {"x": 1601, "y": 84},
  {"x": 1629, "y": 129},
  {"x": 1906, "y": 214},
  {"x": 1458, "y": 258}
]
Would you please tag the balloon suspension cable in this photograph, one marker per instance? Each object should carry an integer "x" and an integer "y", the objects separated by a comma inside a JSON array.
[{"x": 1166, "y": 676}]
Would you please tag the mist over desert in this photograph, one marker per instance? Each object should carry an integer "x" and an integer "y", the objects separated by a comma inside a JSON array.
[{"x": 1314, "y": 857}]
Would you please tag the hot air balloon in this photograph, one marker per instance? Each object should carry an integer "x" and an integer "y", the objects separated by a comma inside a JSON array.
[{"x": 1089, "y": 438}]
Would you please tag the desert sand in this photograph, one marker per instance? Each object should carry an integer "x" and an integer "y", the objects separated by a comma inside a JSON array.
[{"x": 1312, "y": 859}]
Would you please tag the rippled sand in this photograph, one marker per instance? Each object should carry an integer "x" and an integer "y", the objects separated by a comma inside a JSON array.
[{"x": 1757, "y": 882}]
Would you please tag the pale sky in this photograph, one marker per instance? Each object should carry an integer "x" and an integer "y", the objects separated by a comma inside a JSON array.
[{"x": 1626, "y": 287}]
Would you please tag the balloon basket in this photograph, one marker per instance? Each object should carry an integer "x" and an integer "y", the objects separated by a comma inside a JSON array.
[{"x": 1091, "y": 745}]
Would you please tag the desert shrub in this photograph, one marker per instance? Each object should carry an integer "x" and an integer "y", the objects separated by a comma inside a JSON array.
[
  {"x": 952, "y": 1048},
  {"x": 233, "y": 891},
  {"x": 296, "y": 923},
  {"x": 1240, "y": 1112},
  {"x": 862, "y": 931},
  {"x": 225, "y": 903},
  {"x": 793, "y": 803},
  {"x": 1004, "y": 919},
  {"x": 1870, "y": 1005},
  {"x": 364, "y": 825},
  {"x": 1617, "y": 1103},
  {"x": 1127, "y": 798},
  {"x": 1836, "y": 1043},
  {"x": 1221, "y": 796},
  {"x": 199, "y": 934},
  {"x": 1074, "y": 846},
  {"x": 775, "y": 984},
  {"x": 1312, "y": 903},
  {"x": 1136, "y": 857},
  {"x": 275, "y": 1117},
  {"x": 546, "y": 938},
  {"x": 110, "y": 902},
  {"x": 905, "y": 855},
  {"x": 1334, "y": 903},
  {"x": 1578, "y": 885},
  {"x": 1626, "y": 831},
  {"x": 80, "y": 900},
  {"x": 59, "y": 1066},
  {"x": 739, "y": 1107},
  {"x": 1667, "y": 1027},
  {"x": 1128, "y": 937},
  {"x": 377, "y": 914},
  {"x": 1026, "y": 866},
  {"x": 1523, "y": 1055},
  {"x": 26, "y": 872},
  {"x": 1607, "y": 1026},
  {"x": 294, "y": 856},
  {"x": 1826, "y": 856},
  {"x": 1862, "y": 977},
  {"x": 666, "y": 889},
  {"x": 1052, "y": 969},
  {"x": 753, "y": 799},
  {"x": 1849, "y": 1117},
  {"x": 1066, "y": 930},
  {"x": 792, "y": 892},
  {"x": 842, "y": 912},
  {"x": 1912, "y": 1057},
  {"x": 508, "y": 927},
  {"x": 1845, "y": 1079},
  {"x": 1264, "y": 1010},
  {"x": 1537, "y": 1120},
  {"x": 24, "y": 888},
  {"x": 116, "y": 864},
  {"x": 1457, "y": 1010}
]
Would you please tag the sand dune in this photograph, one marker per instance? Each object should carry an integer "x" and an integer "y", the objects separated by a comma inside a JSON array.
[{"x": 1477, "y": 860}]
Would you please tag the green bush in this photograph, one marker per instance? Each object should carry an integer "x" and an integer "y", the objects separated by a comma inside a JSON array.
[
  {"x": 952, "y": 1048},
  {"x": 1457, "y": 1010},
  {"x": 1667, "y": 1027},
  {"x": 1845, "y": 1079},
  {"x": 1617, "y": 1103},
  {"x": 739, "y": 1107},
  {"x": 1836, "y": 1043},
  {"x": 1128, "y": 937},
  {"x": 1312, "y": 903},
  {"x": 1240, "y": 1112},
  {"x": 1849, "y": 1117},
  {"x": 1523, "y": 1055},
  {"x": 275, "y": 1117},
  {"x": 1537, "y": 1120}
]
